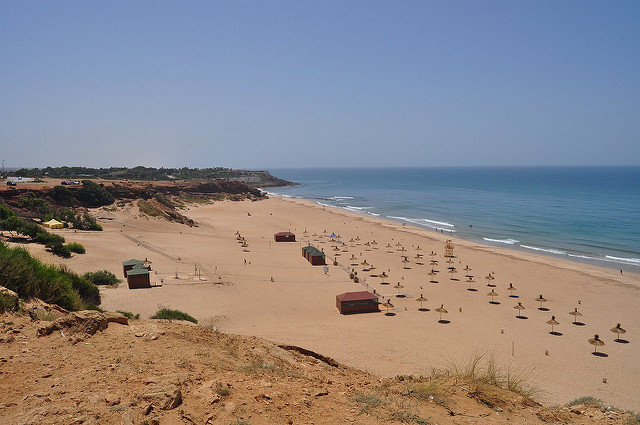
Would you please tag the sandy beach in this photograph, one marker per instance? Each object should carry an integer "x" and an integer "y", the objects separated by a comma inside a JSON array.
[{"x": 269, "y": 290}]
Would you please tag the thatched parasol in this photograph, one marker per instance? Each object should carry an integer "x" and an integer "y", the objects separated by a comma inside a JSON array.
[
  {"x": 596, "y": 342},
  {"x": 470, "y": 281},
  {"x": 519, "y": 307},
  {"x": 541, "y": 300},
  {"x": 405, "y": 261},
  {"x": 575, "y": 313},
  {"x": 553, "y": 322},
  {"x": 388, "y": 305},
  {"x": 398, "y": 286},
  {"x": 492, "y": 294},
  {"x": 618, "y": 330},
  {"x": 512, "y": 288},
  {"x": 489, "y": 278},
  {"x": 374, "y": 243},
  {"x": 422, "y": 299},
  {"x": 441, "y": 310}
]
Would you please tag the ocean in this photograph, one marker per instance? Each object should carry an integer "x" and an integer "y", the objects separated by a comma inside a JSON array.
[{"x": 584, "y": 214}]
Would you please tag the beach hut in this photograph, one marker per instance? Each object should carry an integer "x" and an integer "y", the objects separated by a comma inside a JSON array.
[
  {"x": 284, "y": 237},
  {"x": 129, "y": 264},
  {"x": 313, "y": 255},
  {"x": 53, "y": 224},
  {"x": 139, "y": 277},
  {"x": 357, "y": 302}
]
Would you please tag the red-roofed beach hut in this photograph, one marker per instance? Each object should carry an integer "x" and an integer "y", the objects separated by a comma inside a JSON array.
[
  {"x": 284, "y": 237},
  {"x": 357, "y": 302}
]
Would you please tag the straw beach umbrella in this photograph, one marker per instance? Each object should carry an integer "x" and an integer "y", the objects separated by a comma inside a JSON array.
[
  {"x": 553, "y": 322},
  {"x": 618, "y": 330},
  {"x": 489, "y": 278},
  {"x": 398, "y": 286},
  {"x": 388, "y": 305},
  {"x": 493, "y": 294},
  {"x": 575, "y": 313},
  {"x": 542, "y": 300},
  {"x": 389, "y": 248},
  {"x": 405, "y": 261},
  {"x": 470, "y": 281},
  {"x": 421, "y": 300},
  {"x": 467, "y": 269},
  {"x": 442, "y": 311},
  {"x": 596, "y": 342},
  {"x": 519, "y": 307},
  {"x": 512, "y": 288}
]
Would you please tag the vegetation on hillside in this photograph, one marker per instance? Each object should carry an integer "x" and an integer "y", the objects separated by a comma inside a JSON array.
[
  {"x": 168, "y": 314},
  {"x": 102, "y": 277},
  {"x": 42, "y": 209},
  {"x": 10, "y": 221},
  {"x": 30, "y": 278},
  {"x": 154, "y": 174}
]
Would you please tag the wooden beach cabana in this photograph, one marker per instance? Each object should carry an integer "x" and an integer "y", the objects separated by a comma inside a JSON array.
[
  {"x": 284, "y": 237},
  {"x": 139, "y": 277},
  {"x": 129, "y": 264},
  {"x": 314, "y": 255},
  {"x": 357, "y": 302}
]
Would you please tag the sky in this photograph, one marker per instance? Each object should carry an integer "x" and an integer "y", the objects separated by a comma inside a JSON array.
[{"x": 274, "y": 84}]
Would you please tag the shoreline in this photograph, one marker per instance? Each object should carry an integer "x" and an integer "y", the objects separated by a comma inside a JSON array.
[
  {"x": 533, "y": 257},
  {"x": 277, "y": 295},
  {"x": 614, "y": 263}
]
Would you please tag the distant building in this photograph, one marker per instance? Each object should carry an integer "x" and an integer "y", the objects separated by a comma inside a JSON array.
[
  {"x": 284, "y": 237},
  {"x": 357, "y": 302}
]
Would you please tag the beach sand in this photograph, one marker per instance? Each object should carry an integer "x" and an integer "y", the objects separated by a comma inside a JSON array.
[{"x": 298, "y": 307}]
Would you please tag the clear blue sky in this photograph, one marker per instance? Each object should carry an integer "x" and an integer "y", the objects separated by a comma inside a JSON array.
[{"x": 268, "y": 84}]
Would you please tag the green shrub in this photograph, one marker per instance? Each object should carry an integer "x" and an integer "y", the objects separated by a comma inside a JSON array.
[
  {"x": 8, "y": 303},
  {"x": 102, "y": 277},
  {"x": 36, "y": 205},
  {"x": 61, "y": 193},
  {"x": 30, "y": 278},
  {"x": 89, "y": 292},
  {"x": 59, "y": 249},
  {"x": 93, "y": 194},
  {"x": 76, "y": 247},
  {"x": 129, "y": 315},
  {"x": 168, "y": 314}
]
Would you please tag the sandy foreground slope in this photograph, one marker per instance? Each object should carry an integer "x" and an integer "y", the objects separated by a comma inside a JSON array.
[{"x": 269, "y": 290}]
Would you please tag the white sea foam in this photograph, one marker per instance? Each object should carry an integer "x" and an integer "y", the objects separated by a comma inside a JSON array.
[
  {"x": 423, "y": 220},
  {"x": 281, "y": 195},
  {"x": 374, "y": 214},
  {"x": 324, "y": 205},
  {"x": 338, "y": 198},
  {"x": 507, "y": 241},
  {"x": 433, "y": 224},
  {"x": 623, "y": 260},
  {"x": 586, "y": 257},
  {"x": 550, "y": 250}
]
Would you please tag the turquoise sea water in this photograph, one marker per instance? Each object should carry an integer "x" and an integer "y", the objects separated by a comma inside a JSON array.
[{"x": 585, "y": 214}]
